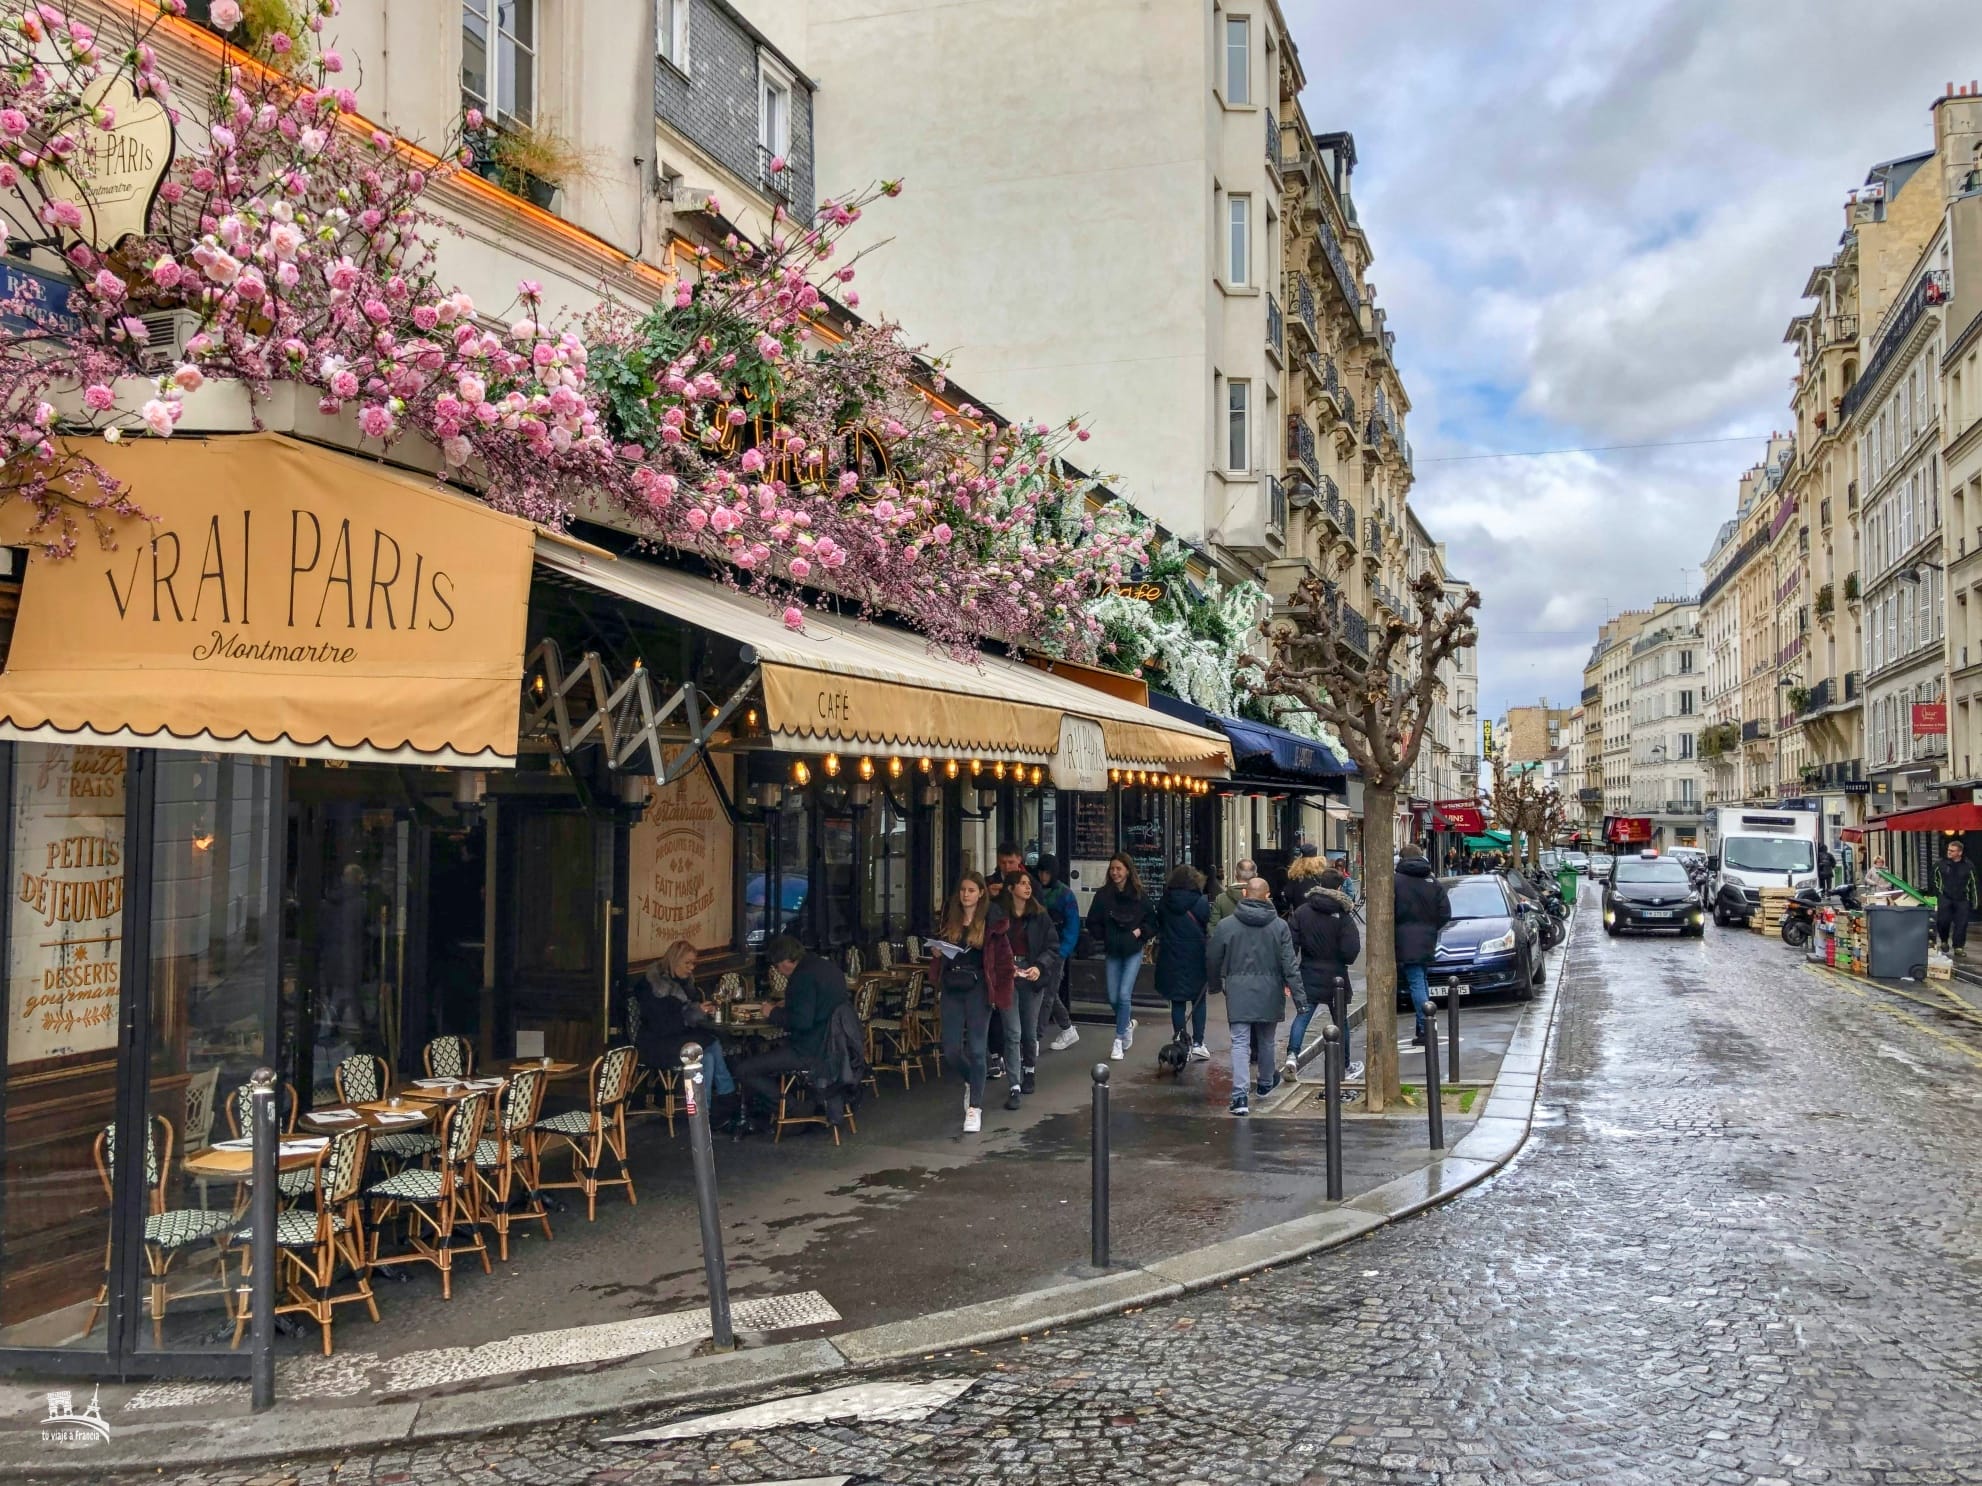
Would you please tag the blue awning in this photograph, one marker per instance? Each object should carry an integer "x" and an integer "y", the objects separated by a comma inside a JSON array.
[{"x": 1261, "y": 750}]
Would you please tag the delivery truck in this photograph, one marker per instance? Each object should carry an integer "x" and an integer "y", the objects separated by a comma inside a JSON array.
[{"x": 1751, "y": 847}]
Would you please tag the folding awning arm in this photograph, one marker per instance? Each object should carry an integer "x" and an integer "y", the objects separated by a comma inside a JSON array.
[{"x": 626, "y": 720}]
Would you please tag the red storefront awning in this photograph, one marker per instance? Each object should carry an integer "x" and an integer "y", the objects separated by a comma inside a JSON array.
[
  {"x": 1625, "y": 829},
  {"x": 1930, "y": 818},
  {"x": 1463, "y": 816}
]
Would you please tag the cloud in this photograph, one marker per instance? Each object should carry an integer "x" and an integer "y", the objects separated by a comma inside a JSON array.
[{"x": 1591, "y": 226}]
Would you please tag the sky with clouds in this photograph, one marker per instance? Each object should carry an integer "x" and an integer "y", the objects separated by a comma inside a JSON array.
[{"x": 1591, "y": 224}]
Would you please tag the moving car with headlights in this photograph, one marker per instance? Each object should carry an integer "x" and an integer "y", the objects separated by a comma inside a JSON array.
[
  {"x": 1650, "y": 891},
  {"x": 1491, "y": 945}
]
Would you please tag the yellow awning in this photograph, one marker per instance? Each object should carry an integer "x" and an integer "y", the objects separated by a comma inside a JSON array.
[
  {"x": 844, "y": 684},
  {"x": 289, "y": 599}
]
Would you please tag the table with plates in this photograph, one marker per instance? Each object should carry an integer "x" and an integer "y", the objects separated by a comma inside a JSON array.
[{"x": 234, "y": 1160}]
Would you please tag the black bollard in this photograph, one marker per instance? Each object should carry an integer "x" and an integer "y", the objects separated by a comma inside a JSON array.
[
  {"x": 1434, "y": 1095},
  {"x": 261, "y": 1216},
  {"x": 1331, "y": 1060},
  {"x": 1452, "y": 1033},
  {"x": 1341, "y": 1010},
  {"x": 703, "y": 1156},
  {"x": 1098, "y": 1216}
]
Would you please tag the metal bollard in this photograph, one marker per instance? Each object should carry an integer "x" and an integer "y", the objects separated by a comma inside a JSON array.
[
  {"x": 702, "y": 1154},
  {"x": 1098, "y": 1213},
  {"x": 1341, "y": 1010},
  {"x": 1452, "y": 1034},
  {"x": 261, "y": 1216},
  {"x": 1331, "y": 1060},
  {"x": 1434, "y": 1094}
]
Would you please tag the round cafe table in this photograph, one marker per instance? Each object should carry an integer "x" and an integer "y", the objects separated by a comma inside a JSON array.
[
  {"x": 323, "y": 1120},
  {"x": 237, "y": 1163}
]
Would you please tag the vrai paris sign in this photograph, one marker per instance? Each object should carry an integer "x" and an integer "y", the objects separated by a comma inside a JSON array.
[
  {"x": 1081, "y": 762},
  {"x": 114, "y": 174}
]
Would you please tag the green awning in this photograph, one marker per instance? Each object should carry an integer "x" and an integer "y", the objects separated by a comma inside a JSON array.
[{"x": 1491, "y": 841}]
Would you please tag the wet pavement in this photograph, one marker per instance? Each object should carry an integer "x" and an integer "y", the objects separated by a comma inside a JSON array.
[{"x": 1743, "y": 1246}]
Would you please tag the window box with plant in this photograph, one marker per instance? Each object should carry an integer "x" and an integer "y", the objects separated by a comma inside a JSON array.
[
  {"x": 1851, "y": 588},
  {"x": 531, "y": 162},
  {"x": 1826, "y": 600}
]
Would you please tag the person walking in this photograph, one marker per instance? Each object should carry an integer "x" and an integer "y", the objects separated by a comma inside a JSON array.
[
  {"x": 814, "y": 989},
  {"x": 1235, "y": 890},
  {"x": 1252, "y": 963},
  {"x": 1183, "y": 933},
  {"x": 1055, "y": 1004},
  {"x": 1035, "y": 949},
  {"x": 1826, "y": 865},
  {"x": 1324, "y": 930},
  {"x": 1955, "y": 898},
  {"x": 1120, "y": 918},
  {"x": 971, "y": 977},
  {"x": 1422, "y": 909}
]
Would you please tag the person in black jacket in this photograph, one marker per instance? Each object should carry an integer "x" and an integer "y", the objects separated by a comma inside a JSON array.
[
  {"x": 1422, "y": 910},
  {"x": 813, "y": 987},
  {"x": 672, "y": 1014},
  {"x": 1035, "y": 947},
  {"x": 1325, "y": 933},
  {"x": 1955, "y": 898},
  {"x": 1183, "y": 930},
  {"x": 1120, "y": 918}
]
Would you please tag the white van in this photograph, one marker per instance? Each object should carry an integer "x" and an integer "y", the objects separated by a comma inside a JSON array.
[{"x": 1751, "y": 847}]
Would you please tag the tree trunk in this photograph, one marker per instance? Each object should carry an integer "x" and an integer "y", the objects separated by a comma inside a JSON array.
[{"x": 1380, "y": 948}]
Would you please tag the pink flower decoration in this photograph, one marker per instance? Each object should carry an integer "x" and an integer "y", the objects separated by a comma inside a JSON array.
[
  {"x": 225, "y": 14},
  {"x": 99, "y": 398},
  {"x": 794, "y": 617}
]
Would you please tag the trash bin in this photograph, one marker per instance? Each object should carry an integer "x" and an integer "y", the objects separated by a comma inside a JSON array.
[
  {"x": 1896, "y": 942},
  {"x": 1569, "y": 880}
]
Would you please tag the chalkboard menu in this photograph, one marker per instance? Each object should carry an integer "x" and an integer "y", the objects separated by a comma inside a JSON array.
[
  {"x": 1143, "y": 842},
  {"x": 1094, "y": 840}
]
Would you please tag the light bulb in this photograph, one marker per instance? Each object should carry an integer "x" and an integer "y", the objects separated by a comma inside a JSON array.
[
  {"x": 832, "y": 766},
  {"x": 866, "y": 768},
  {"x": 895, "y": 767},
  {"x": 800, "y": 774},
  {"x": 950, "y": 769}
]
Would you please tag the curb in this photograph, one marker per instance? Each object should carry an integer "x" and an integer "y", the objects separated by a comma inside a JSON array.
[{"x": 1498, "y": 1132}]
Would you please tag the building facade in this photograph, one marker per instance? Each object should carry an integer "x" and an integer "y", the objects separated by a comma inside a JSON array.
[{"x": 1667, "y": 712}]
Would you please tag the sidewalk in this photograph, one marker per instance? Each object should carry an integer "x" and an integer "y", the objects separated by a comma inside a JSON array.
[{"x": 881, "y": 1245}]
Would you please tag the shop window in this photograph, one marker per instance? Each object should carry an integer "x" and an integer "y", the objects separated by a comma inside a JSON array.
[
  {"x": 499, "y": 58},
  {"x": 776, "y": 876},
  {"x": 558, "y": 918},
  {"x": 884, "y": 869},
  {"x": 837, "y": 919}
]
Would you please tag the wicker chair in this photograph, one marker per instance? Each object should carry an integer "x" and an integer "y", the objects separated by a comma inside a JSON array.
[
  {"x": 448, "y": 1057},
  {"x": 240, "y": 1108},
  {"x": 311, "y": 1245},
  {"x": 506, "y": 1162},
  {"x": 865, "y": 998},
  {"x": 598, "y": 1130},
  {"x": 441, "y": 1204},
  {"x": 363, "y": 1078},
  {"x": 168, "y": 1231},
  {"x": 894, "y": 1042}
]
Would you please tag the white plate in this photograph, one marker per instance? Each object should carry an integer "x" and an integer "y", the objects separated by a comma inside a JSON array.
[
  {"x": 435, "y": 1083},
  {"x": 243, "y": 1144}
]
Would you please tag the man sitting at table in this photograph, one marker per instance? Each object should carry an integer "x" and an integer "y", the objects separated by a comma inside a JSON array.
[{"x": 813, "y": 988}]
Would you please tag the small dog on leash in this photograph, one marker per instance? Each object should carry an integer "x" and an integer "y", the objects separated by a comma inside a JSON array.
[{"x": 1172, "y": 1057}]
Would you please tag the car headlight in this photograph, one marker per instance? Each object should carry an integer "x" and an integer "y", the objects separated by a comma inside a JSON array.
[{"x": 1498, "y": 946}]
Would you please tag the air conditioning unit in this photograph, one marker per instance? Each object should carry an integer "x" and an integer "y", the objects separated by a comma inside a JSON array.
[
  {"x": 166, "y": 334},
  {"x": 690, "y": 198}
]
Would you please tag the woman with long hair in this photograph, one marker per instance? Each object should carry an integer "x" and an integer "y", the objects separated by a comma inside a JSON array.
[
  {"x": 1120, "y": 918},
  {"x": 1183, "y": 931},
  {"x": 672, "y": 1013},
  {"x": 975, "y": 973},
  {"x": 1035, "y": 945}
]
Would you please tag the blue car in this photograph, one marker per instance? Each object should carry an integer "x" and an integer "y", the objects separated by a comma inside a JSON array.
[
  {"x": 757, "y": 928},
  {"x": 1489, "y": 948}
]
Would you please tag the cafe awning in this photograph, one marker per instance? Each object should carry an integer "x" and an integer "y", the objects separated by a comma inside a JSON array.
[
  {"x": 286, "y": 599},
  {"x": 1964, "y": 817},
  {"x": 1262, "y": 753},
  {"x": 840, "y": 683}
]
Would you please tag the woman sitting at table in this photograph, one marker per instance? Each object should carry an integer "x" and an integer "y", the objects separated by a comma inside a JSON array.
[
  {"x": 975, "y": 972},
  {"x": 673, "y": 1013}
]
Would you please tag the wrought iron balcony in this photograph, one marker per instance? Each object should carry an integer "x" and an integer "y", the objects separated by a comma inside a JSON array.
[
  {"x": 1331, "y": 249},
  {"x": 1851, "y": 686},
  {"x": 1755, "y": 730},
  {"x": 1300, "y": 298},
  {"x": 1682, "y": 807},
  {"x": 1276, "y": 328},
  {"x": 1373, "y": 535},
  {"x": 1355, "y": 630},
  {"x": 1931, "y": 290},
  {"x": 1272, "y": 141},
  {"x": 1346, "y": 405},
  {"x": 1818, "y": 698},
  {"x": 1348, "y": 521},
  {"x": 1301, "y": 447}
]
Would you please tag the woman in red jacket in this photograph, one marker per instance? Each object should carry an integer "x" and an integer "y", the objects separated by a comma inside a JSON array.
[{"x": 976, "y": 977}]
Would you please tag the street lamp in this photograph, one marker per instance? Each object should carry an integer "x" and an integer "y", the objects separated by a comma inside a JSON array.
[{"x": 1911, "y": 572}]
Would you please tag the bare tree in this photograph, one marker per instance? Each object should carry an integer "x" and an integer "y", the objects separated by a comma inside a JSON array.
[
  {"x": 1522, "y": 800},
  {"x": 1375, "y": 685}
]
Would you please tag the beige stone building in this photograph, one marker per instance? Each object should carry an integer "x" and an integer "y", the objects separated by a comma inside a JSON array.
[
  {"x": 1961, "y": 429},
  {"x": 1529, "y": 734}
]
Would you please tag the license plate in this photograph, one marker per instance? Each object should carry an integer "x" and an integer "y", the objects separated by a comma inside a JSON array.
[{"x": 1657, "y": 913}]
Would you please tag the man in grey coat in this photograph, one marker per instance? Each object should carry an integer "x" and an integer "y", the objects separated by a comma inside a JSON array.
[
  {"x": 1252, "y": 962},
  {"x": 1225, "y": 902}
]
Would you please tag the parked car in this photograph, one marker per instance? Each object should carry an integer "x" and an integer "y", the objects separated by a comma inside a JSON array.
[
  {"x": 1600, "y": 866},
  {"x": 1490, "y": 947},
  {"x": 1650, "y": 891},
  {"x": 759, "y": 926},
  {"x": 1579, "y": 860}
]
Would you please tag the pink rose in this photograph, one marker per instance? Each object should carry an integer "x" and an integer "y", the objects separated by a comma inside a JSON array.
[
  {"x": 344, "y": 385},
  {"x": 157, "y": 417},
  {"x": 99, "y": 398},
  {"x": 225, "y": 14},
  {"x": 376, "y": 421},
  {"x": 13, "y": 121},
  {"x": 794, "y": 617},
  {"x": 456, "y": 449},
  {"x": 187, "y": 377},
  {"x": 332, "y": 62}
]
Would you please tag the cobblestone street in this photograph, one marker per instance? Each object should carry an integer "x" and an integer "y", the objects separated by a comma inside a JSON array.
[{"x": 1743, "y": 1246}]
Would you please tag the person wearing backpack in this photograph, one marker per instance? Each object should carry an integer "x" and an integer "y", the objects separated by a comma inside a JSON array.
[
  {"x": 1183, "y": 933},
  {"x": 1324, "y": 930}
]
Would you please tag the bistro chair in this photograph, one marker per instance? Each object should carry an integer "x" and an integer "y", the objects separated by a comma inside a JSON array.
[
  {"x": 595, "y": 1131},
  {"x": 729, "y": 988},
  {"x": 912, "y": 949},
  {"x": 168, "y": 1231},
  {"x": 441, "y": 1204},
  {"x": 363, "y": 1078},
  {"x": 240, "y": 1110},
  {"x": 884, "y": 954},
  {"x": 892, "y": 1041},
  {"x": 778, "y": 982},
  {"x": 200, "y": 1091},
  {"x": 853, "y": 962},
  {"x": 448, "y": 1057},
  {"x": 795, "y": 1091},
  {"x": 506, "y": 1162},
  {"x": 865, "y": 999},
  {"x": 310, "y": 1245}
]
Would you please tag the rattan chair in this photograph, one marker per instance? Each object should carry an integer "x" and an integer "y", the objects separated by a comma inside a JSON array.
[
  {"x": 795, "y": 1091},
  {"x": 865, "y": 998},
  {"x": 448, "y": 1057},
  {"x": 853, "y": 962},
  {"x": 312, "y": 1244},
  {"x": 893, "y": 1042},
  {"x": 506, "y": 1161},
  {"x": 598, "y": 1130},
  {"x": 168, "y": 1231},
  {"x": 240, "y": 1110},
  {"x": 363, "y": 1078},
  {"x": 442, "y": 1204},
  {"x": 201, "y": 1090},
  {"x": 778, "y": 981}
]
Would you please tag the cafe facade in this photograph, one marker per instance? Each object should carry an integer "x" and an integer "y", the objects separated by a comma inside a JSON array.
[{"x": 333, "y": 759}]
